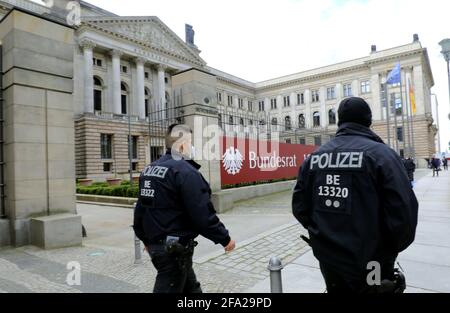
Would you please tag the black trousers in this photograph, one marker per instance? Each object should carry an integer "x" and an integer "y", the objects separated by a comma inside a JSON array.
[
  {"x": 339, "y": 283},
  {"x": 175, "y": 272}
]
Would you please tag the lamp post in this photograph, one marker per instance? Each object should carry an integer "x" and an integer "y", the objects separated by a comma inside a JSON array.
[{"x": 445, "y": 44}]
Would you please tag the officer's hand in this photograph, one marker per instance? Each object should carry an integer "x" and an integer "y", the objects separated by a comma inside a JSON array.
[{"x": 230, "y": 247}]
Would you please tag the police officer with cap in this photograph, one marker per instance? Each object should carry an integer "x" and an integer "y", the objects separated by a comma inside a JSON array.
[
  {"x": 354, "y": 197},
  {"x": 174, "y": 207}
]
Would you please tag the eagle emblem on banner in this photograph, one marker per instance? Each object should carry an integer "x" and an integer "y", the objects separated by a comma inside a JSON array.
[{"x": 232, "y": 161}]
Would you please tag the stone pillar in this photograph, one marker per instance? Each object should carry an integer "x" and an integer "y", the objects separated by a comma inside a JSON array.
[
  {"x": 323, "y": 108},
  {"x": 88, "y": 47},
  {"x": 39, "y": 131},
  {"x": 377, "y": 106},
  {"x": 308, "y": 113},
  {"x": 140, "y": 87},
  {"x": 161, "y": 100},
  {"x": 201, "y": 114},
  {"x": 116, "y": 80}
]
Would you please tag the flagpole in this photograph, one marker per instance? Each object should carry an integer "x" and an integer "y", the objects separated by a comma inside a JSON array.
[
  {"x": 412, "y": 124},
  {"x": 395, "y": 122},
  {"x": 403, "y": 114},
  {"x": 388, "y": 116},
  {"x": 408, "y": 119}
]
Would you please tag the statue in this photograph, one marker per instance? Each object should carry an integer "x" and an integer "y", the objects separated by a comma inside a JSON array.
[{"x": 190, "y": 33}]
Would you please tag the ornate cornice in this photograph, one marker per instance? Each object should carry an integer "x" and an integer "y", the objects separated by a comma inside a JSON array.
[{"x": 100, "y": 24}]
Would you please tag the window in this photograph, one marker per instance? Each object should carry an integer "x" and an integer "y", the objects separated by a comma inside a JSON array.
[
  {"x": 274, "y": 123},
  {"x": 273, "y": 104},
  {"x": 241, "y": 103},
  {"x": 97, "y": 62},
  {"x": 231, "y": 121},
  {"x": 124, "y": 98},
  {"x": 134, "y": 166},
  {"x": 396, "y": 104},
  {"x": 134, "y": 147},
  {"x": 287, "y": 101},
  {"x": 331, "y": 93},
  {"x": 147, "y": 102},
  {"x": 302, "y": 141},
  {"x": 300, "y": 98},
  {"x": 365, "y": 86},
  {"x": 315, "y": 96},
  {"x": 219, "y": 97},
  {"x": 316, "y": 119},
  {"x": 250, "y": 106},
  {"x": 98, "y": 89},
  {"x": 147, "y": 75},
  {"x": 332, "y": 117},
  {"x": 288, "y": 141},
  {"x": 230, "y": 100},
  {"x": 400, "y": 134},
  {"x": 301, "y": 121},
  {"x": 107, "y": 167},
  {"x": 287, "y": 123},
  {"x": 106, "y": 146},
  {"x": 317, "y": 141},
  {"x": 124, "y": 69},
  {"x": 250, "y": 122},
  {"x": 261, "y": 106},
  {"x": 347, "y": 90},
  {"x": 241, "y": 121}
]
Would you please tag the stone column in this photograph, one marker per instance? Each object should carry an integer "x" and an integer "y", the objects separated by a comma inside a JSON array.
[
  {"x": 323, "y": 107},
  {"x": 116, "y": 91},
  {"x": 161, "y": 101},
  {"x": 377, "y": 106},
  {"x": 39, "y": 132},
  {"x": 308, "y": 116},
  {"x": 88, "y": 47},
  {"x": 140, "y": 87}
]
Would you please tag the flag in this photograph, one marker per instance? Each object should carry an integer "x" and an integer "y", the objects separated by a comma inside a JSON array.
[
  {"x": 412, "y": 98},
  {"x": 394, "y": 75}
]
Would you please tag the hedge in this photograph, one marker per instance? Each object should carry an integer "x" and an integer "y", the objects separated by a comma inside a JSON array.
[{"x": 102, "y": 189}]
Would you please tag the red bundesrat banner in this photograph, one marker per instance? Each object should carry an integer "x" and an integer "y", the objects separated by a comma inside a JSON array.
[{"x": 248, "y": 160}]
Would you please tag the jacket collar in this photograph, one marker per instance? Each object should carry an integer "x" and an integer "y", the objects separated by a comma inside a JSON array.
[
  {"x": 354, "y": 129},
  {"x": 179, "y": 156}
]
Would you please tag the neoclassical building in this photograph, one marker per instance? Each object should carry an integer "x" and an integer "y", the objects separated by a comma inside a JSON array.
[{"x": 123, "y": 69}]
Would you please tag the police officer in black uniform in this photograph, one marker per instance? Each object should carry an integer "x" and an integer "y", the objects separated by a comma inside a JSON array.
[
  {"x": 173, "y": 208},
  {"x": 354, "y": 197}
]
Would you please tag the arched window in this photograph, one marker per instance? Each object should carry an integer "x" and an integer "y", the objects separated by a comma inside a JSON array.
[
  {"x": 250, "y": 122},
  {"x": 332, "y": 117},
  {"x": 98, "y": 94},
  {"x": 287, "y": 123},
  {"x": 148, "y": 97},
  {"x": 274, "y": 123},
  {"x": 231, "y": 121},
  {"x": 124, "y": 98},
  {"x": 301, "y": 121},
  {"x": 167, "y": 100},
  {"x": 316, "y": 119},
  {"x": 241, "y": 121},
  {"x": 220, "y": 121}
]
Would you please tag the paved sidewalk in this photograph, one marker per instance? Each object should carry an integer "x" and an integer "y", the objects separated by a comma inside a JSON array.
[{"x": 426, "y": 262}]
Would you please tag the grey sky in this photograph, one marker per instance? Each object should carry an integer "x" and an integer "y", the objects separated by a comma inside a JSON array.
[{"x": 260, "y": 39}]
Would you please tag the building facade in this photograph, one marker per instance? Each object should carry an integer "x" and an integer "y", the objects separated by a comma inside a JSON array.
[{"x": 123, "y": 69}]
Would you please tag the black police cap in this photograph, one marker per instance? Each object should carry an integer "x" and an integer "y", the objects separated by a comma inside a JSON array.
[{"x": 355, "y": 110}]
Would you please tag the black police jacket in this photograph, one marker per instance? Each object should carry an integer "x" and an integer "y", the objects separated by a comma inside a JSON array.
[
  {"x": 174, "y": 200},
  {"x": 354, "y": 197}
]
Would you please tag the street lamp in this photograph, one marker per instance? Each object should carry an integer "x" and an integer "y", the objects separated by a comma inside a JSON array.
[{"x": 445, "y": 44}]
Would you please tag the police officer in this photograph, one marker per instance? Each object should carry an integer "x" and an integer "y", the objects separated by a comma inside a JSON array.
[
  {"x": 354, "y": 197},
  {"x": 173, "y": 208}
]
